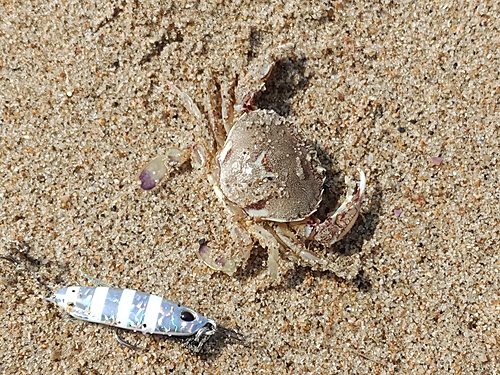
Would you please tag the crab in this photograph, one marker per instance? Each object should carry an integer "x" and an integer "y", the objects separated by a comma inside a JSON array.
[{"x": 268, "y": 177}]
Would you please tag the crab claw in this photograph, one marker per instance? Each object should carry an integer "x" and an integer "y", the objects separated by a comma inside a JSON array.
[
  {"x": 229, "y": 264},
  {"x": 158, "y": 168},
  {"x": 153, "y": 172},
  {"x": 337, "y": 225},
  {"x": 219, "y": 264}
]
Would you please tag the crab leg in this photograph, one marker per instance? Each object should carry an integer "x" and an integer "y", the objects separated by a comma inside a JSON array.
[
  {"x": 227, "y": 107},
  {"x": 298, "y": 248},
  {"x": 268, "y": 240},
  {"x": 186, "y": 100},
  {"x": 339, "y": 223},
  {"x": 221, "y": 114},
  {"x": 161, "y": 166}
]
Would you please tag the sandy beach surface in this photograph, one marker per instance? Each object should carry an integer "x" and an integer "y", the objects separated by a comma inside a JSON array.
[{"x": 407, "y": 91}]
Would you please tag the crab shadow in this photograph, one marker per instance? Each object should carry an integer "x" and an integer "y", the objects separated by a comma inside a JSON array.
[
  {"x": 255, "y": 265},
  {"x": 286, "y": 79}
]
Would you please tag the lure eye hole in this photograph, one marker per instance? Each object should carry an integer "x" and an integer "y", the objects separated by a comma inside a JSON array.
[{"x": 187, "y": 316}]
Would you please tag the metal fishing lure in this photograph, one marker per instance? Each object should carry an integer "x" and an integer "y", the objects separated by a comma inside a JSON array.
[{"x": 138, "y": 311}]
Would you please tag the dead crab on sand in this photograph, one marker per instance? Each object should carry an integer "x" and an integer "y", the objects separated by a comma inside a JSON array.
[{"x": 270, "y": 180}]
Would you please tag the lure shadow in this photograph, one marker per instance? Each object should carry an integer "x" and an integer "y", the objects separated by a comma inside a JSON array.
[
  {"x": 213, "y": 348},
  {"x": 209, "y": 351}
]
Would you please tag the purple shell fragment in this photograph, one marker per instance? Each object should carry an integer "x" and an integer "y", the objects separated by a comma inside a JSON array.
[
  {"x": 397, "y": 212},
  {"x": 203, "y": 251},
  {"x": 436, "y": 160},
  {"x": 147, "y": 180}
]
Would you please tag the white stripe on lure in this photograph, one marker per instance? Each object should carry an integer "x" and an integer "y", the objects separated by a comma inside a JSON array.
[{"x": 138, "y": 311}]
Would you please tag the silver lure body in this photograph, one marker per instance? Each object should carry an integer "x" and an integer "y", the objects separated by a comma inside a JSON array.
[
  {"x": 136, "y": 311},
  {"x": 133, "y": 310}
]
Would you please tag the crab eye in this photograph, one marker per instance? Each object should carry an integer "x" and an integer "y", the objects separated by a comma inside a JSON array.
[{"x": 187, "y": 316}]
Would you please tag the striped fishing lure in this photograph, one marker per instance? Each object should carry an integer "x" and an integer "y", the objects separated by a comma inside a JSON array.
[
  {"x": 134, "y": 310},
  {"x": 138, "y": 311}
]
